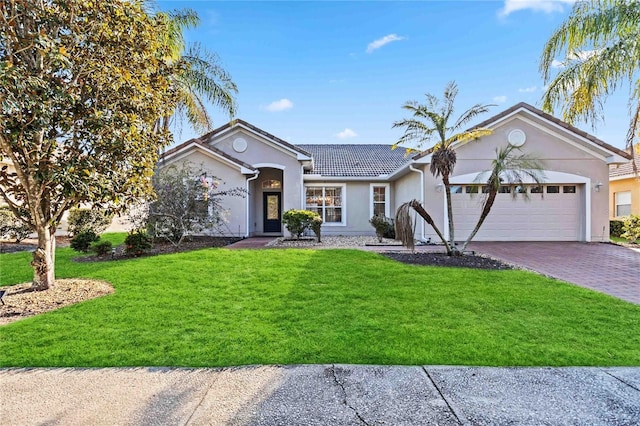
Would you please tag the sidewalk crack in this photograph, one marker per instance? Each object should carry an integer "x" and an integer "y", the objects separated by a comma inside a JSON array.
[
  {"x": 446, "y": 401},
  {"x": 344, "y": 395},
  {"x": 619, "y": 379}
]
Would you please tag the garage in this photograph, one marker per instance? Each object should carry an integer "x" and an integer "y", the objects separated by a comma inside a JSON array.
[{"x": 551, "y": 213}]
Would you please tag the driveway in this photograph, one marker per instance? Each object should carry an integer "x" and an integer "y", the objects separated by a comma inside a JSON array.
[
  {"x": 604, "y": 267},
  {"x": 321, "y": 395}
]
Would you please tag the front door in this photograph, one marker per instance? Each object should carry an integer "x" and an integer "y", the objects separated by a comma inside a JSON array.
[{"x": 272, "y": 212}]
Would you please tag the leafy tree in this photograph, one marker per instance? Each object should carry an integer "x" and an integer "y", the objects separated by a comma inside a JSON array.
[
  {"x": 188, "y": 202},
  {"x": 431, "y": 124},
  {"x": 599, "y": 51},
  {"x": 197, "y": 77},
  {"x": 82, "y": 84},
  {"x": 508, "y": 168}
]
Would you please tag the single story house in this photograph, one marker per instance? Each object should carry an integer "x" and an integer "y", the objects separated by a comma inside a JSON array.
[
  {"x": 348, "y": 184},
  {"x": 624, "y": 190}
]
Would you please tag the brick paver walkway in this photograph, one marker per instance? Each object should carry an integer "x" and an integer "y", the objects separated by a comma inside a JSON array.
[{"x": 603, "y": 267}]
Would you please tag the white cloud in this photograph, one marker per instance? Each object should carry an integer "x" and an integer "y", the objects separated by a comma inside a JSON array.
[
  {"x": 557, "y": 64},
  {"x": 346, "y": 133},
  {"x": 528, "y": 89},
  {"x": 500, "y": 99},
  {"x": 546, "y": 6},
  {"x": 377, "y": 44},
  {"x": 281, "y": 105}
]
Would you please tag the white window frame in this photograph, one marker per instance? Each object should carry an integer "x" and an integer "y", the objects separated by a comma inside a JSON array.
[
  {"x": 387, "y": 196},
  {"x": 343, "y": 191},
  {"x": 617, "y": 203}
]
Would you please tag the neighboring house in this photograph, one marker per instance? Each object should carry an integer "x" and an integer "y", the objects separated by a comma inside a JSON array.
[
  {"x": 347, "y": 184},
  {"x": 624, "y": 190}
]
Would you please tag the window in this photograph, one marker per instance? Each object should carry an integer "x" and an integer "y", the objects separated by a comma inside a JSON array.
[
  {"x": 472, "y": 189},
  {"x": 327, "y": 201},
  {"x": 623, "y": 203},
  {"x": 504, "y": 189},
  {"x": 379, "y": 200},
  {"x": 521, "y": 189},
  {"x": 569, "y": 189},
  {"x": 536, "y": 190},
  {"x": 271, "y": 184},
  {"x": 485, "y": 189},
  {"x": 456, "y": 189},
  {"x": 553, "y": 189}
]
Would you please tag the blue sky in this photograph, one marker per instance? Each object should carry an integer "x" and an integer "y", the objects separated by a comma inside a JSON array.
[{"x": 339, "y": 72}]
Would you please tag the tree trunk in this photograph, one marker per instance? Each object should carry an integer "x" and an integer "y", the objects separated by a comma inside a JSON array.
[
  {"x": 453, "y": 250},
  {"x": 44, "y": 260},
  {"x": 415, "y": 204}
]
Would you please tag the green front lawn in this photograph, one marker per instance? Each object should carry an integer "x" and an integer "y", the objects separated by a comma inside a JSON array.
[{"x": 220, "y": 307}]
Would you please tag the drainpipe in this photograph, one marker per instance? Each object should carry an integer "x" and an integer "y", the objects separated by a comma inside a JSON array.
[
  {"x": 413, "y": 169},
  {"x": 246, "y": 234}
]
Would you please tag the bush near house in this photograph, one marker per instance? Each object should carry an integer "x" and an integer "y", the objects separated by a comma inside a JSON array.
[
  {"x": 384, "y": 227},
  {"x": 95, "y": 220},
  {"x": 11, "y": 227},
  {"x": 101, "y": 248},
  {"x": 631, "y": 228},
  {"x": 298, "y": 221},
  {"x": 615, "y": 228},
  {"x": 137, "y": 242}
]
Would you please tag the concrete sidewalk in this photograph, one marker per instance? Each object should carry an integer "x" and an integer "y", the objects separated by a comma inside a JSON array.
[{"x": 321, "y": 395}]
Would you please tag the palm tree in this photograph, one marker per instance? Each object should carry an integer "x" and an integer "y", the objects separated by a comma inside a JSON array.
[
  {"x": 198, "y": 77},
  {"x": 599, "y": 43},
  {"x": 508, "y": 168},
  {"x": 430, "y": 124}
]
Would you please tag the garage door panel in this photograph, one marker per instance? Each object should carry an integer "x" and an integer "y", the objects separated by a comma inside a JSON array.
[{"x": 554, "y": 217}]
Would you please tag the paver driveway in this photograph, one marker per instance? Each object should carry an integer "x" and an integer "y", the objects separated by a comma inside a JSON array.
[{"x": 603, "y": 267}]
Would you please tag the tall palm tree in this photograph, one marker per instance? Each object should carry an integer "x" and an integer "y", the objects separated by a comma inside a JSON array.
[
  {"x": 600, "y": 51},
  {"x": 198, "y": 77},
  {"x": 430, "y": 124}
]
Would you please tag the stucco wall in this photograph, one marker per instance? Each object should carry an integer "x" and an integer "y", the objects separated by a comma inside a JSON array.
[
  {"x": 557, "y": 155},
  {"x": 229, "y": 177}
]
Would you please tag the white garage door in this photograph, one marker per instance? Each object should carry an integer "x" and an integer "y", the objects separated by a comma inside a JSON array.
[{"x": 553, "y": 215}]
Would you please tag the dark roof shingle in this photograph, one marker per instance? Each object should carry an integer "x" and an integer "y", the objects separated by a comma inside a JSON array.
[{"x": 355, "y": 160}]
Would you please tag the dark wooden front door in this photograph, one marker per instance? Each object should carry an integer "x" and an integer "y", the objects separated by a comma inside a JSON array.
[{"x": 272, "y": 211}]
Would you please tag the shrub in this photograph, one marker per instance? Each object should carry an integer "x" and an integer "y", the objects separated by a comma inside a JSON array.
[
  {"x": 82, "y": 241},
  {"x": 137, "y": 242},
  {"x": 631, "y": 228},
  {"x": 298, "y": 221},
  {"x": 316, "y": 226},
  {"x": 101, "y": 248},
  {"x": 11, "y": 227},
  {"x": 383, "y": 226},
  {"x": 615, "y": 228},
  {"x": 95, "y": 220}
]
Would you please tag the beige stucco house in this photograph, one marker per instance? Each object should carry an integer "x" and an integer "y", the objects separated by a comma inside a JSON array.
[
  {"x": 624, "y": 190},
  {"x": 347, "y": 184}
]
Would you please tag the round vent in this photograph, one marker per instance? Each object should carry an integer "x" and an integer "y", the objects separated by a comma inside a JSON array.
[
  {"x": 239, "y": 145},
  {"x": 517, "y": 137}
]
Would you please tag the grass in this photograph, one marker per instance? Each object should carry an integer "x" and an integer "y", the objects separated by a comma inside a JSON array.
[{"x": 219, "y": 307}]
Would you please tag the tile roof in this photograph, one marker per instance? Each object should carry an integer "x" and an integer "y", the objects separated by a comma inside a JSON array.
[
  {"x": 624, "y": 169},
  {"x": 355, "y": 160}
]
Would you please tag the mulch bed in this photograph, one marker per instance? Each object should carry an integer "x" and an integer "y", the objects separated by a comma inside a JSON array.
[
  {"x": 21, "y": 302},
  {"x": 441, "y": 259},
  {"x": 165, "y": 247}
]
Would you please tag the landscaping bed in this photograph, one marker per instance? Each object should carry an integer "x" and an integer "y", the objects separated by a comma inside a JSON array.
[{"x": 441, "y": 259}]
